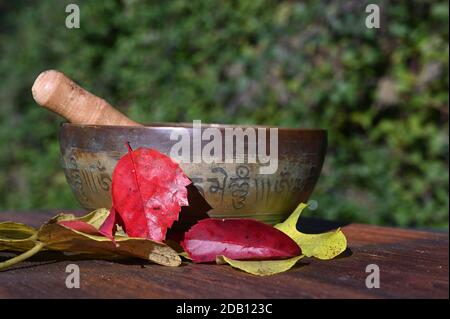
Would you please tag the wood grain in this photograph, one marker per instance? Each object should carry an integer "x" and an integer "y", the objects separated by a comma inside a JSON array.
[
  {"x": 413, "y": 264},
  {"x": 57, "y": 93}
]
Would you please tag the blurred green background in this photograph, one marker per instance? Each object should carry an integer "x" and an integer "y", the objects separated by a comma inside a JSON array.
[{"x": 381, "y": 93}]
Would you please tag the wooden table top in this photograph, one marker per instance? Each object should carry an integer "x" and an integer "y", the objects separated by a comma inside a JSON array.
[{"x": 413, "y": 264}]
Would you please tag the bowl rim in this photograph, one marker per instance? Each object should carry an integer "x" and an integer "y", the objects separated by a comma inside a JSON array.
[{"x": 170, "y": 125}]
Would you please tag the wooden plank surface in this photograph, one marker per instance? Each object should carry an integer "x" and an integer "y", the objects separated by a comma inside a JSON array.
[{"x": 413, "y": 264}]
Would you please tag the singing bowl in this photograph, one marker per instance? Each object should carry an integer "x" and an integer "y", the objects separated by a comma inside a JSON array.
[{"x": 232, "y": 190}]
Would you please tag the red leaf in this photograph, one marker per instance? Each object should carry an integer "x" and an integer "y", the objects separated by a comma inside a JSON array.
[
  {"x": 81, "y": 226},
  {"x": 241, "y": 239},
  {"x": 148, "y": 190},
  {"x": 108, "y": 228}
]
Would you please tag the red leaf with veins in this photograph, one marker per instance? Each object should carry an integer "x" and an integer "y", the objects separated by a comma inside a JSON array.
[
  {"x": 241, "y": 239},
  {"x": 148, "y": 190}
]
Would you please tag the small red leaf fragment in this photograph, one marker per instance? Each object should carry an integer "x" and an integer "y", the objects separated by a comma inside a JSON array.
[
  {"x": 108, "y": 228},
  {"x": 81, "y": 226},
  {"x": 148, "y": 190},
  {"x": 239, "y": 239}
]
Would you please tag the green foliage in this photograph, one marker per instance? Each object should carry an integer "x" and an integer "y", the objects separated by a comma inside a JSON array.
[{"x": 381, "y": 93}]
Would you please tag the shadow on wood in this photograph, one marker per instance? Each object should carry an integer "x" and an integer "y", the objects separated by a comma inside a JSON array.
[{"x": 312, "y": 225}]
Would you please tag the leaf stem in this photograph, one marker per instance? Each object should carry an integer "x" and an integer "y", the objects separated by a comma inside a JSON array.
[{"x": 10, "y": 262}]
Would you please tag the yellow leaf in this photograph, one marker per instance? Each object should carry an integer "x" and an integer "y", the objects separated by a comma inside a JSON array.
[
  {"x": 16, "y": 236},
  {"x": 323, "y": 246},
  {"x": 55, "y": 236},
  {"x": 261, "y": 267},
  {"x": 61, "y": 238},
  {"x": 15, "y": 231},
  {"x": 289, "y": 226},
  {"x": 185, "y": 255},
  {"x": 96, "y": 218}
]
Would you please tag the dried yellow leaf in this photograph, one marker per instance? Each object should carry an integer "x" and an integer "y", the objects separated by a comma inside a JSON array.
[
  {"x": 55, "y": 236},
  {"x": 260, "y": 267},
  {"x": 322, "y": 246}
]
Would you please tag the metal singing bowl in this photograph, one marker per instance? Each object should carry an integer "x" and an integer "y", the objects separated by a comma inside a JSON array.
[{"x": 233, "y": 190}]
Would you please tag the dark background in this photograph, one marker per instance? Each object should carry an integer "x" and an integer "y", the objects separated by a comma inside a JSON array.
[{"x": 381, "y": 93}]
